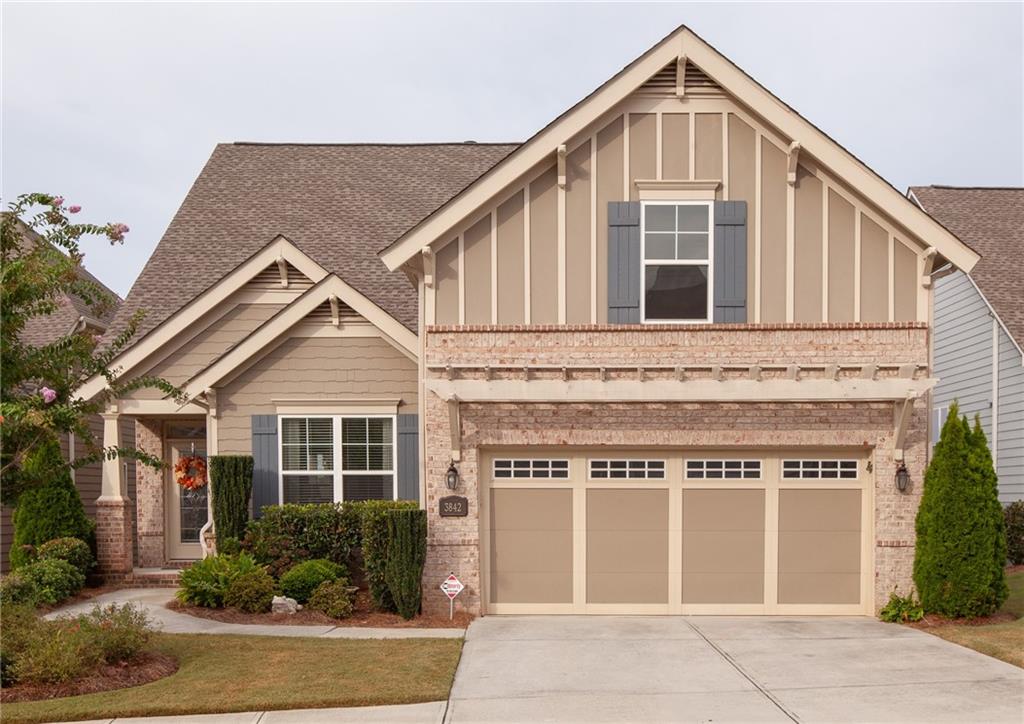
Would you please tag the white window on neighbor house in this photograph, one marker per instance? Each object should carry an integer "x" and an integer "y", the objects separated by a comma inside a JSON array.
[
  {"x": 331, "y": 458},
  {"x": 676, "y": 251},
  {"x": 939, "y": 415}
]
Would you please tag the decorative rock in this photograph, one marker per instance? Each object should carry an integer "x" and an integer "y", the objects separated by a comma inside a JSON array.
[{"x": 283, "y": 604}]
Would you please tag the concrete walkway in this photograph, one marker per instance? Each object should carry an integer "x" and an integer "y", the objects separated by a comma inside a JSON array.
[
  {"x": 724, "y": 669},
  {"x": 431, "y": 713},
  {"x": 155, "y": 600}
]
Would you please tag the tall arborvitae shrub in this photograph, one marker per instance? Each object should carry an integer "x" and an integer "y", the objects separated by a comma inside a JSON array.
[
  {"x": 407, "y": 552},
  {"x": 231, "y": 487},
  {"x": 375, "y": 547},
  {"x": 959, "y": 526},
  {"x": 49, "y": 508}
]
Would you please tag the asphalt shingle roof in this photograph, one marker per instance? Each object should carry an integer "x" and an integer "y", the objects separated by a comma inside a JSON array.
[
  {"x": 339, "y": 204},
  {"x": 990, "y": 220}
]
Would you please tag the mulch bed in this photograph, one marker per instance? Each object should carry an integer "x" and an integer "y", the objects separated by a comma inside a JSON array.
[
  {"x": 934, "y": 620},
  {"x": 143, "y": 669},
  {"x": 362, "y": 616}
]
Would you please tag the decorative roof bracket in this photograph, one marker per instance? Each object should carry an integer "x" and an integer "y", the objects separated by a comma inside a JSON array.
[
  {"x": 454, "y": 427},
  {"x": 681, "y": 77},
  {"x": 793, "y": 159},
  {"x": 282, "y": 269},
  {"x": 335, "y": 313},
  {"x": 561, "y": 165}
]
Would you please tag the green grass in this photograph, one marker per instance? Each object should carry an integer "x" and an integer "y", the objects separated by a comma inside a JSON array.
[
  {"x": 1004, "y": 641},
  {"x": 257, "y": 673}
]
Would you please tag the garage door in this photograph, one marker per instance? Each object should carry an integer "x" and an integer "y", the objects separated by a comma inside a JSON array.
[{"x": 686, "y": 532}]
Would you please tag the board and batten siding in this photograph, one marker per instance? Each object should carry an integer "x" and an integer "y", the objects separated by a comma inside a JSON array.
[
  {"x": 315, "y": 368},
  {"x": 538, "y": 253},
  {"x": 963, "y": 358}
]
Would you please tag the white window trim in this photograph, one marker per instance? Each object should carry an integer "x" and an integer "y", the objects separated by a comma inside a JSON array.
[
  {"x": 550, "y": 468},
  {"x": 677, "y": 262},
  {"x": 759, "y": 461},
  {"x": 839, "y": 469},
  {"x": 337, "y": 473},
  {"x": 647, "y": 469}
]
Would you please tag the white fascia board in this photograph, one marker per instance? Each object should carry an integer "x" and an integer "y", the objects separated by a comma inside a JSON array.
[
  {"x": 737, "y": 83},
  {"x": 293, "y": 314},
  {"x": 179, "y": 322},
  {"x": 548, "y": 391}
]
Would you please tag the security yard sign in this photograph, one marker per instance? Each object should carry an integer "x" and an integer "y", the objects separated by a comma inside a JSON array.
[{"x": 452, "y": 587}]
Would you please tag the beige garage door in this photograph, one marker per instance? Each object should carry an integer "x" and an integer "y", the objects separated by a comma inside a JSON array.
[{"x": 687, "y": 532}]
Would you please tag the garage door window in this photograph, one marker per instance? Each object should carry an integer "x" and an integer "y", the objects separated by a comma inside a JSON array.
[
  {"x": 819, "y": 469},
  {"x": 723, "y": 469},
  {"x": 627, "y": 469},
  {"x": 531, "y": 468}
]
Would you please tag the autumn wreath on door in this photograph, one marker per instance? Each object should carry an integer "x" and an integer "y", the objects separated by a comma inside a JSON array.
[{"x": 190, "y": 472}]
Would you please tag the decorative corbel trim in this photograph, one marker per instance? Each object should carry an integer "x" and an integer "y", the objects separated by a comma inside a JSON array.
[
  {"x": 429, "y": 262},
  {"x": 335, "y": 313},
  {"x": 561, "y": 165},
  {"x": 211, "y": 401},
  {"x": 681, "y": 77},
  {"x": 930, "y": 255},
  {"x": 793, "y": 159},
  {"x": 902, "y": 412},
  {"x": 282, "y": 269},
  {"x": 454, "y": 428}
]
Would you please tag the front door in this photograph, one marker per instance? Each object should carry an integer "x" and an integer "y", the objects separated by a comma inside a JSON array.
[{"x": 187, "y": 510}]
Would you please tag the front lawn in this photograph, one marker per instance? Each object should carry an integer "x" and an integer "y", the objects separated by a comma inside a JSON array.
[
  {"x": 257, "y": 673},
  {"x": 1003, "y": 641}
]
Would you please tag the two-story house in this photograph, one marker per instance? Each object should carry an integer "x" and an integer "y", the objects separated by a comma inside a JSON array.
[{"x": 670, "y": 354}]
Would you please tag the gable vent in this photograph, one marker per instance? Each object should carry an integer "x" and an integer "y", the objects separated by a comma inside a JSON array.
[
  {"x": 663, "y": 83},
  {"x": 322, "y": 314},
  {"x": 270, "y": 279}
]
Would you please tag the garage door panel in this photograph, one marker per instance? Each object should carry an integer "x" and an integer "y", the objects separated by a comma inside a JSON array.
[
  {"x": 627, "y": 546},
  {"x": 723, "y": 510},
  {"x": 531, "y": 545},
  {"x": 725, "y": 552},
  {"x": 819, "y": 546},
  {"x": 723, "y": 587}
]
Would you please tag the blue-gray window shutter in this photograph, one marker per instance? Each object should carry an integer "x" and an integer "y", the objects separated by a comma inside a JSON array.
[
  {"x": 265, "y": 466},
  {"x": 624, "y": 270},
  {"x": 730, "y": 262},
  {"x": 408, "y": 457}
]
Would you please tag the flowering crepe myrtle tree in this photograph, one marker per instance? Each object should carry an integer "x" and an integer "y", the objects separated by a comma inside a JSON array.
[{"x": 40, "y": 262}]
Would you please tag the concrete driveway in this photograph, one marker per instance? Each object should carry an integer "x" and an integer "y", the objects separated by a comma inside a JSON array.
[{"x": 724, "y": 669}]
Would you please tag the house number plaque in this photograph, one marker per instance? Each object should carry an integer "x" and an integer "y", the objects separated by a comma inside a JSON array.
[{"x": 454, "y": 506}]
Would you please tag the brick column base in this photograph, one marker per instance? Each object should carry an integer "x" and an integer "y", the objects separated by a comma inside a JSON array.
[{"x": 114, "y": 536}]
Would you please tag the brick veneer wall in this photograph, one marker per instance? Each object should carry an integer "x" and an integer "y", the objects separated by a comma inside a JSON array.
[
  {"x": 114, "y": 536},
  {"x": 453, "y": 543},
  {"x": 149, "y": 496}
]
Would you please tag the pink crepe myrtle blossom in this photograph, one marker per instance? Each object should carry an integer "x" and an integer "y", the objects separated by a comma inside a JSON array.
[
  {"x": 58, "y": 201},
  {"x": 48, "y": 395},
  {"x": 74, "y": 209},
  {"x": 116, "y": 232}
]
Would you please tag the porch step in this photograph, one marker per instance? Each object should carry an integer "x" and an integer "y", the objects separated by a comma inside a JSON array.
[{"x": 146, "y": 578}]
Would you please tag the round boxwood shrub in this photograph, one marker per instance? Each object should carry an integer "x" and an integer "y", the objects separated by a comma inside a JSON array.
[
  {"x": 332, "y": 598},
  {"x": 51, "y": 508},
  {"x": 300, "y": 581},
  {"x": 1014, "y": 513},
  {"x": 73, "y": 550},
  {"x": 55, "y": 579},
  {"x": 16, "y": 590},
  {"x": 252, "y": 592}
]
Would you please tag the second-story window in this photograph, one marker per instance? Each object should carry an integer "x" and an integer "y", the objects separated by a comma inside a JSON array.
[{"x": 676, "y": 248}]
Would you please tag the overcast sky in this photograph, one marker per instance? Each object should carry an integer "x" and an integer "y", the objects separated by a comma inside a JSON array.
[{"x": 117, "y": 106}]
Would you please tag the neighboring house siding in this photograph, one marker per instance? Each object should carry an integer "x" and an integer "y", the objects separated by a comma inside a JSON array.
[
  {"x": 313, "y": 368},
  {"x": 964, "y": 365},
  {"x": 1010, "y": 451},
  {"x": 600, "y": 169},
  {"x": 963, "y": 349}
]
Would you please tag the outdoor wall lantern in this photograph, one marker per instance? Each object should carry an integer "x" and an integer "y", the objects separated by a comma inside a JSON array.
[
  {"x": 902, "y": 477},
  {"x": 451, "y": 478}
]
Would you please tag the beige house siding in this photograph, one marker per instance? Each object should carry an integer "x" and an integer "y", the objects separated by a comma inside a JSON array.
[
  {"x": 315, "y": 368},
  {"x": 662, "y": 138}
]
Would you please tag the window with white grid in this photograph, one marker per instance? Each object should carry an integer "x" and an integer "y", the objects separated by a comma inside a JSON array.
[
  {"x": 506, "y": 468},
  {"x": 819, "y": 469},
  {"x": 627, "y": 469},
  {"x": 723, "y": 469}
]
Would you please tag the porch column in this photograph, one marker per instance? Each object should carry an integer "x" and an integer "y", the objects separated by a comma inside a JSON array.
[
  {"x": 113, "y": 514},
  {"x": 149, "y": 495}
]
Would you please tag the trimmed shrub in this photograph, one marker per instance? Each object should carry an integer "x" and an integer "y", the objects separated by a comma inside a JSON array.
[
  {"x": 1013, "y": 516},
  {"x": 51, "y": 508},
  {"x": 16, "y": 589},
  {"x": 300, "y": 581},
  {"x": 901, "y": 609},
  {"x": 231, "y": 487},
  {"x": 206, "y": 581},
  {"x": 332, "y": 598},
  {"x": 290, "y": 534},
  {"x": 252, "y": 592},
  {"x": 961, "y": 542},
  {"x": 55, "y": 580},
  {"x": 407, "y": 552},
  {"x": 73, "y": 550},
  {"x": 374, "y": 542}
]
